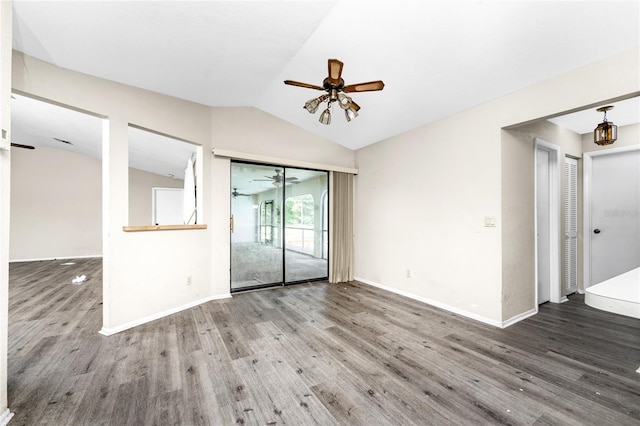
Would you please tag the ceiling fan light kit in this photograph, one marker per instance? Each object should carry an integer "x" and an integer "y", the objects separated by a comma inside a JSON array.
[
  {"x": 606, "y": 133},
  {"x": 336, "y": 89},
  {"x": 325, "y": 117},
  {"x": 276, "y": 180}
]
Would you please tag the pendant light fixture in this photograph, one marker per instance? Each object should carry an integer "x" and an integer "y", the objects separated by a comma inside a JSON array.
[{"x": 606, "y": 133}]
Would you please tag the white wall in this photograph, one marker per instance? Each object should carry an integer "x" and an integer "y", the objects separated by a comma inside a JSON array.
[
  {"x": 422, "y": 196},
  {"x": 5, "y": 187},
  {"x": 421, "y": 201}
]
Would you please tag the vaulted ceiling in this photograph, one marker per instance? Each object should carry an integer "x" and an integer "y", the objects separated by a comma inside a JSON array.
[{"x": 435, "y": 57}]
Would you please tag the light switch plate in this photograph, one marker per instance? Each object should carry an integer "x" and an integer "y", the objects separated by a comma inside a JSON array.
[
  {"x": 489, "y": 222},
  {"x": 4, "y": 142}
]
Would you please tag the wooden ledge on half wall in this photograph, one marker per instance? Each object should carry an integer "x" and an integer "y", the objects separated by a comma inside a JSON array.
[{"x": 141, "y": 228}]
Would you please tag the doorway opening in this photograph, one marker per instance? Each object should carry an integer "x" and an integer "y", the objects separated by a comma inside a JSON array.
[{"x": 279, "y": 218}]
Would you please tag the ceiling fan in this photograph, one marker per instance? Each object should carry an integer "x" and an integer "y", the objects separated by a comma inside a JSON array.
[
  {"x": 235, "y": 193},
  {"x": 277, "y": 179},
  {"x": 19, "y": 145},
  {"x": 336, "y": 89}
]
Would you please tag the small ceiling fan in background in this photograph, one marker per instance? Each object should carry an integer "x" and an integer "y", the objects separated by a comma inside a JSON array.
[
  {"x": 277, "y": 179},
  {"x": 235, "y": 193},
  {"x": 19, "y": 145},
  {"x": 336, "y": 89}
]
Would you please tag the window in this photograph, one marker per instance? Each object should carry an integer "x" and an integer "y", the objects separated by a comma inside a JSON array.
[{"x": 299, "y": 223}]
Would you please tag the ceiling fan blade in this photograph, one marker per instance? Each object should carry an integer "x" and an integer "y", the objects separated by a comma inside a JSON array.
[
  {"x": 355, "y": 106},
  {"x": 305, "y": 85},
  {"x": 19, "y": 145},
  {"x": 335, "y": 71},
  {"x": 364, "y": 87}
]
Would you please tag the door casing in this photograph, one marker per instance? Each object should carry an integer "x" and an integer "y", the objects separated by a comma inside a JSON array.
[{"x": 554, "y": 251}]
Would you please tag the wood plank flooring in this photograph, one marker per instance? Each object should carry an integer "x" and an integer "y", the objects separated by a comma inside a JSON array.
[{"x": 313, "y": 354}]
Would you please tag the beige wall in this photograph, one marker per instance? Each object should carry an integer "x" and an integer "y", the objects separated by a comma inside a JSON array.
[
  {"x": 5, "y": 187},
  {"x": 421, "y": 202},
  {"x": 518, "y": 215},
  {"x": 253, "y": 131},
  {"x": 56, "y": 205},
  {"x": 140, "y": 194},
  {"x": 422, "y": 197},
  {"x": 145, "y": 273}
]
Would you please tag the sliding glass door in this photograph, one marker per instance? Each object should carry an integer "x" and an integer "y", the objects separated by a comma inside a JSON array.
[
  {"x": 303, "y": 220},
  {"x": 278, "y": 216}
]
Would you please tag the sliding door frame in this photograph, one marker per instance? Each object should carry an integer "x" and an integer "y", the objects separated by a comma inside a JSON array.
[{"x": 284, "y": 169}]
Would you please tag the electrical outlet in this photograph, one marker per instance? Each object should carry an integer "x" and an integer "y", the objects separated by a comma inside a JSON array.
[
  {"x": 189, "y": 280},
  {"x": 408, "y": 273}
]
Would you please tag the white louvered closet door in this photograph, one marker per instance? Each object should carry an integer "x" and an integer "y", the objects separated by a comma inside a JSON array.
[{"x": 570, "y": 267}]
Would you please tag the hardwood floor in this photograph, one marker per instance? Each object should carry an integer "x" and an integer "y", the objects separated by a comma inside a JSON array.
[{"x": 310, "y": 354}]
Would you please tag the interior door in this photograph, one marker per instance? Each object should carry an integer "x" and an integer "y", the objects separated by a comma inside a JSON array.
[
  {"x": 570, "y": 260},
  {"x": 614, "y": 215}
]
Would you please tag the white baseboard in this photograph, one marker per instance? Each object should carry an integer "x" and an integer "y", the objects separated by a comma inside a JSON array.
[
  {"x": 5, "y": 417},
  {"x": 473, "y": 316},
  {"x": 519, "y": 318},
  {"x": 56, "y": 258},
  {"x": 113, "y": 330}
]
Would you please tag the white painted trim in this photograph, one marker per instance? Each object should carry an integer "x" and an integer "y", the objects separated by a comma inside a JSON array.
[
  {"x": 280, "y": 161},
  {"x": 518, "y": 318},
  {"x": 449, "y": 308},
  {"x": 555, "y": 241},
  {"x": 5, "y": 417},
  {"x": 93, "y": 256},
  {"x": 113, "y": 330},
  {"x": 587, "y": 171}
]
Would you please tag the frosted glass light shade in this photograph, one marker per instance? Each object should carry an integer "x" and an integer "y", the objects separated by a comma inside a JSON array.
[
  {"x": 312, "y": 105},
  {"x": 325, "y": 117},
  {"x": 350, "y": 114},
  {"x": 344, "y": 101}
]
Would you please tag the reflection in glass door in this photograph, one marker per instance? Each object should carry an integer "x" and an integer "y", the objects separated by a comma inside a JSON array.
[
  {"x": 278, "y": 225},
  {"x": 303, "y": 225},
  {"x": 256, "y": 249}
]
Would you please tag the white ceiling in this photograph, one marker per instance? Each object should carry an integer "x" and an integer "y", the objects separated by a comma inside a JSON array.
[{"x": 435, "y": 57}]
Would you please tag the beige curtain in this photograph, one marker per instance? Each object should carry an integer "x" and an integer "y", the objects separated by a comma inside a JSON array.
[{"x": 341, "y": 255}]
